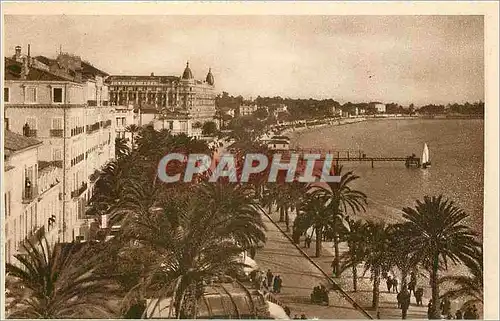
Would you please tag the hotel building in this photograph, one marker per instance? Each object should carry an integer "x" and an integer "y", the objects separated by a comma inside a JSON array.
[
  {"x": 181, "y": 104},
  {"x": 64, "y": 104}
]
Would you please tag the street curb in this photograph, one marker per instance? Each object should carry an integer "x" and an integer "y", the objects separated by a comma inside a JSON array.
[{"x": 335, "y": 285}]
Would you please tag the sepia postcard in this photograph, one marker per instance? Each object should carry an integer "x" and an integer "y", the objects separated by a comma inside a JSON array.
[{"x": 250, "y": 160}]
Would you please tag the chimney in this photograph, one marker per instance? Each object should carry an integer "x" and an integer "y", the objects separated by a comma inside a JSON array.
[
  {"x": 17, "y": 56},
  {"x": 29, "y": 56},
  {"x": 25, "y": 68}
]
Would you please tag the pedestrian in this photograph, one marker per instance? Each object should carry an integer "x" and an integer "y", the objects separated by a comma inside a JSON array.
[
  {"x": 399, "y": 299},
  {"x": 429, "y": 309},
  {"x": 303, "y": 316},
  {"x": 296, "y": 317},
  {"x": 389, "y": 283},
  {"x": 280, "y": 282},
  {"x": 419, "y": 293},
  {"x": 405, "y": 302},
  {"x": 308, "y": 241},
  {"x": 269, "y": 276},
  {"x": 395, "y": 284},
  {"x": 413, "y": 282},
  {"x": 252, "y": 275},
  {"x": 287, "y": 310},
  {"x": 275, "y": 284},
  {"x": 334, "y": 268},
  {"x": 445, "y": 306},
  {"x": 458, "y": 314}
]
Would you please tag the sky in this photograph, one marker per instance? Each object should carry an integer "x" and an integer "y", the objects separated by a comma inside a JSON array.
[{"x": 402, "y": 59}]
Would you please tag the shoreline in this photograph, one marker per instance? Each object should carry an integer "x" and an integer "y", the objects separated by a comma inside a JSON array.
[{"x": 295, "y": 132}]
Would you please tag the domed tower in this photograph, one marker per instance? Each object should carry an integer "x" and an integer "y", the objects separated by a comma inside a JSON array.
[
  {"x": 187, "y": 75},
  {"x": 210, "y": 77}
]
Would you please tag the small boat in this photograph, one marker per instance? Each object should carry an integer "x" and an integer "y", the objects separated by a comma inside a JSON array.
[{"x": 426, "y": 161}]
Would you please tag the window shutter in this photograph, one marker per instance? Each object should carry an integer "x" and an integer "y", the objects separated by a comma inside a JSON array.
[{"x": 57, "y": 123}]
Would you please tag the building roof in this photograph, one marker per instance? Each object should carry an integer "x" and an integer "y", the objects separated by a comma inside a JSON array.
[
  {"x": 13, "y": 71},
  {"x": 15, "y": 142},
  {"x": 161, "y": 79},
  {"x": 187, "y": 72},
  {"x": 87, "y": 68},
  {"x": 90, "y": 69}
]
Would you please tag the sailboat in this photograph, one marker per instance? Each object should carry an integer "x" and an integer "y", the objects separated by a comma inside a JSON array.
[{"x": 426, "y": 161}]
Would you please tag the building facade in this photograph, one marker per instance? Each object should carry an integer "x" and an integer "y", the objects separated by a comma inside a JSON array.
[
  {"x": 32, "y": 204},
  {"x": 64, "y": 104},
  {"x": 182, "y": 104},
  {"x": 380, "y": 108},
  {"x": 247, "y": 109}
]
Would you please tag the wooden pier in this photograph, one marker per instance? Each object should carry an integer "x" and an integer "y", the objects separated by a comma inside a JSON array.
[{"x": 352, "y": 155}]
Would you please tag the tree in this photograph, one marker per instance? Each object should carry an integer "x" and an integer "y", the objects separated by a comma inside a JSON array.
[
  {"x": 341, "y": 198},
  {"x": 377, "y": 257},
  {"x": 314, "y": 213},
  {"x": 356, "y": 250},
  {"x": 261, "y": 113},
  {"x": 133, "y": 130},
  {"x": 121, "y": 148},
  {"x": 58, "y": 282},
  {"x": 437, "y": 233},
  {"x": 209, "y": 128},
  {"x": 196, "y": 241},
  {"x": 467, "y": 286}
]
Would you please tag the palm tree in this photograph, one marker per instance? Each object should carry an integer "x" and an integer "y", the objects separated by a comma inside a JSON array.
[
  {"x": 195, "y": 242},
  {"x": 401, "y": 259},
  {"x": 121, "y": 148},
  {"x": 377, "y": 256},
  {"x": 356, "y": 252},
  {"x": 133, "y": 130},
  {"x": 467, "y": 286},
  {"x": 314, "y": 213},
  {"x": 341, "y": 198},
  {"x": 58, "y": 282},
  {"x": 437, "y": 233}
]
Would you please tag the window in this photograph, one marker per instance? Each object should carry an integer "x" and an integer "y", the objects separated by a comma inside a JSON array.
[
  {"x": 31, "y": 121},
  {"x": 30, "y": 95},
  {"x": 57, "y": 95},
  {"x": 7, "y": 203},
  {"x": 8, "y": 250},
  {"x": 6, "y": 95},
  {"x": 56, "y": 154},
  {"x": 6, "y": 123},
  {"x": 57, "y": 123}
]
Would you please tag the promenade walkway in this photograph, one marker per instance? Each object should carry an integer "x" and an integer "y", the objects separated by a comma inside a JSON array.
[
  {"x": 299, "y": 277},
  {"x": 388, "y": 302}
]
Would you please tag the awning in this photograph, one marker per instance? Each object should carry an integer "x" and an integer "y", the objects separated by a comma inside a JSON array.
[
  {"x": 252, "y": 265},
  {"x": 277, "y": 312}
]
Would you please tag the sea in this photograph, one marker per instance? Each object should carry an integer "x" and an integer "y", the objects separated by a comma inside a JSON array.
[{"x": 456, "y": 150}]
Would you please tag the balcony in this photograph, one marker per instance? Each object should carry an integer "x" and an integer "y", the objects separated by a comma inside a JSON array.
[
  {"x": 29, "y": 194},
  {"x": 79, "y": 191},
  {"x": 92, "y": 128},
  {"x": 56, "y": 132},
  {"x": 77, "y": 130}
]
